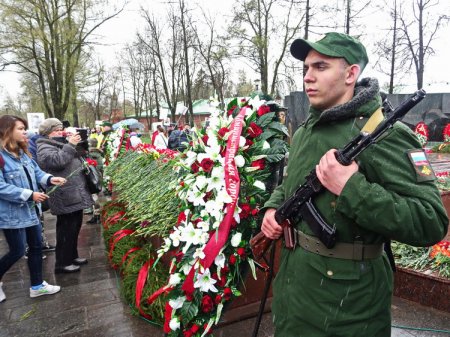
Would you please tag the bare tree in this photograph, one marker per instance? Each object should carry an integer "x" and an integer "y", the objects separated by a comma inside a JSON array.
[
  {"x": 260, "y": 35},
  {"x": 419, "y": 32},
  {"x": 46, "y": 39}
]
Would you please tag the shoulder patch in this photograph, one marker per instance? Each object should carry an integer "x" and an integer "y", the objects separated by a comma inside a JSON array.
[{"x": 421, "y": 165}]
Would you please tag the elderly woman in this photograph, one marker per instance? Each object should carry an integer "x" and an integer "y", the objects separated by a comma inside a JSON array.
[
  {"x": 57, "y": 156},
  {"x": 20, "y": 203}
]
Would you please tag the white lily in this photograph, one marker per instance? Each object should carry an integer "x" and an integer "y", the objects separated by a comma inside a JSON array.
[
  {"x": 195, "y": 196},
  {"x": 205, "y": 282},
  {"x": 190, "y": 159},
  {"x": 199, "y": 253},
  {"x": 220, "y": 260},
  {"x": 266, "y": 145},
  {"x": 201, "y": 181},
  {"x": 223, "y": 197},
  {"x": 217, "y": 180},
  {"x": 175, "y": 237},
  {"x": 214, "y": 208},
  {"x": 190, "y": 235}
]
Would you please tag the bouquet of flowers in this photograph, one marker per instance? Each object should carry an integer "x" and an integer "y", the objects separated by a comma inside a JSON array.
[{"x": 224, "y": 175}]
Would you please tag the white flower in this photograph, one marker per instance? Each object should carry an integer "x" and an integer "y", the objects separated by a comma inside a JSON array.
[
  {"x": 239, "y": 161},
  {"x": 212, "y": 151},
  {"x": 266, "y": 145},
  {"x": 242, "y": 141},
  {"x": 217, "y": 180},
  {"x": 259, "y": 184},
  {"x": 174, "y": 279},
  {"x": 203, "y": 225},
  {"x": 177, "y": 303},
  {"x": 195, "y": 196},
  {"x": 199, "y": 253},
  {"x": 205, "y": 282},
  {"x": 174, "y": 324},
  {"x": 236, "y": 239},
  {"x": 175, "y": 236},
  {"x": 201, "y": 181},
  {"x": 220, "y": 260},
  {"x": 191, "y": 157},
  {"x": 214, "y": 208},
  {"x": 190, "y": 235},
  {"x": 223, "y": 197}
]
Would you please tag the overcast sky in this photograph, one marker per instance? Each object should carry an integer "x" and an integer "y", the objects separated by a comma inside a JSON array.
[{"x": 115, "y": 33}]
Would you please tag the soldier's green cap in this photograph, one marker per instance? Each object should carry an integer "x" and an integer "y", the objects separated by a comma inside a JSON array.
[
  {"x": 106, "y": 123},
  {"x": 333, "y": 45}
]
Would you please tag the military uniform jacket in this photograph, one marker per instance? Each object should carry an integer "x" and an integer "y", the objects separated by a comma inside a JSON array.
[{"x": 388, "y": 198}]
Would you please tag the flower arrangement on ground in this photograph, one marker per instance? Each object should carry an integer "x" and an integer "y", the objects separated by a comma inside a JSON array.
[{"x": 224, "y": 175}]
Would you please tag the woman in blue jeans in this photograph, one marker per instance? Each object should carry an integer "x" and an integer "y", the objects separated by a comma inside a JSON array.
[{"x": 20, "y": 203}]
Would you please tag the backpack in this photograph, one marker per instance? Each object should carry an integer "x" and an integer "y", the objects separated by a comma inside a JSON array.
[{"x": 174, "y": 140}]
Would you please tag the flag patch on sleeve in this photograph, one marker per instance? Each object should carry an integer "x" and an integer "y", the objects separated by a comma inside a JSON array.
[{"x": 421, "y": 165}]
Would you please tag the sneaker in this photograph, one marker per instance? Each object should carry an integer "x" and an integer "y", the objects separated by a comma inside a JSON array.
[
  {"x": 45, "y": 289},
  {"x": 2, "y": 294},
  {"x": 26, "y": 255},
  {"x": 48, "y": 248}
]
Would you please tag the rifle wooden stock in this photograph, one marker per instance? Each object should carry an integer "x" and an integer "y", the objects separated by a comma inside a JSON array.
[{"x": 260, "y": 243}]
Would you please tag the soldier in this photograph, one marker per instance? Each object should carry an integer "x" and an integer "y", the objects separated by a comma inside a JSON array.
[{"x": 388, "y": 194}]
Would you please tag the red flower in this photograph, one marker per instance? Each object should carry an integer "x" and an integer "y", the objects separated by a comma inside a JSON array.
[
  {"x": 220, "y": 282},
  {"x": 248, "y": 142},
  {"x": 207, "y": 164},
  {"x": 263, "y": 109},
  {"x": 207, "y": 304},
  {"x": 254, "y": 130},
  {"x": 232, "y": 259},
  {"x": 245, "y": 211},
  {"x": 260, "y": 164},
  {"x": 241, "y": 252},
  {"x": 195, "y": 167},
  {"x": 221, "y": 133},
  {"x": 194, "y": 328},
  {"x": 181, "y": 217},
  {"x": 218, "y": 299},
  {"x": 227, "y": 293},
  {"x": 205, "y": 139},
  {"x": 188, "y": 333},
  {"x": 189, "y": 296}
]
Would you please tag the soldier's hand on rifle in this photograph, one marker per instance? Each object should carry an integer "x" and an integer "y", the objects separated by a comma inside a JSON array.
[
  {"x": 270, "y": 226},
  {"x": 333, "y": 175}
]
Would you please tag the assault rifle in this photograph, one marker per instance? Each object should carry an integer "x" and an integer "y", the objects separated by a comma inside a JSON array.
[{"x": 300, "y": 204}]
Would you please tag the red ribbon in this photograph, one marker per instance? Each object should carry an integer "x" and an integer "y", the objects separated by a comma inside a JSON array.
[
  {"x": 140, "y": 282},
  {"x": 117, "y": 236},
  {"x": 232, "y": 183},
  {"x": 125, "y": 256}
]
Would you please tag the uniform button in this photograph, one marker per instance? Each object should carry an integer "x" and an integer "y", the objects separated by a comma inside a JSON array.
[{"x": 329, "y": 273}]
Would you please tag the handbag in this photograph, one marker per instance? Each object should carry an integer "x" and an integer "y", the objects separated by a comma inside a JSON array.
[{"x": 93, "y": 178}]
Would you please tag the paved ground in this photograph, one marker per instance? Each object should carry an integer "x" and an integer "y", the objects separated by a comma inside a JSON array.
[{"x": 89, "y": 303}]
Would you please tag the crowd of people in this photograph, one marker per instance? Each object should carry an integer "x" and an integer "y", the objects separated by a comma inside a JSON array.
[{"x": 46, "y": 171}]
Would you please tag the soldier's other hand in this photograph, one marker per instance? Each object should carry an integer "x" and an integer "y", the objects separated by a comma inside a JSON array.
[
  {"x": 333, "y": 175},
  {"x": 270, "y": 226}
]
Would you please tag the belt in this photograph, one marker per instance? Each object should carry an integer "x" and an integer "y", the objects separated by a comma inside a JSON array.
[{"x": 348, "y": 251}]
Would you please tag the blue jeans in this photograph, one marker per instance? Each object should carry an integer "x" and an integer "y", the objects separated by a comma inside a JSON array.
[{"x": 16, "y": 242}]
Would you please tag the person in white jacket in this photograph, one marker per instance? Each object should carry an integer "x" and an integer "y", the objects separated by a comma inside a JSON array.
[{"x": 161, "y": 138}]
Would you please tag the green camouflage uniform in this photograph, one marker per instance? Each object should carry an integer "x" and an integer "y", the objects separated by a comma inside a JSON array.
[{"x": 388, "y": 198}]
